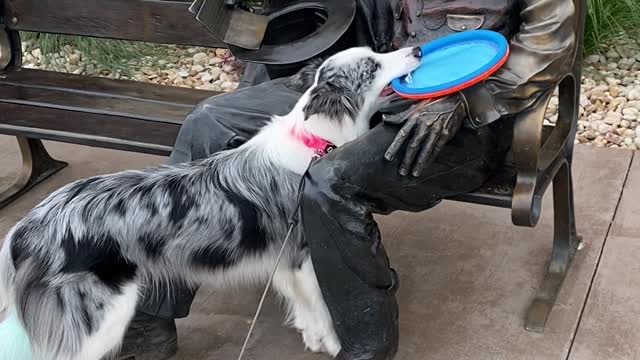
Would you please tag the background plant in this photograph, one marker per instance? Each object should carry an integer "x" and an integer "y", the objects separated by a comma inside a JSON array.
[
  {"x": 610, "y": 19},
  {"x": 112, "y": 55}
]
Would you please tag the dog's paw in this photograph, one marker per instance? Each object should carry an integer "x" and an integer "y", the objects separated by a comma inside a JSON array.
[
  {"x": 321, "y": 342},
  {"x": 312, "y": 341},
  {"x": 331, "y": 344}
]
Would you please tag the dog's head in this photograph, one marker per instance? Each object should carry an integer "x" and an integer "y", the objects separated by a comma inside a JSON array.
[{"x": 347, "y": 87}]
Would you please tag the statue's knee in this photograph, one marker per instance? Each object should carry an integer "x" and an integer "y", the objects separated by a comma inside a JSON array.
[
  {"x": 209, "y": 129},
  {"x": 204, "y": 114},
  {"x": 320, "y": 181}
]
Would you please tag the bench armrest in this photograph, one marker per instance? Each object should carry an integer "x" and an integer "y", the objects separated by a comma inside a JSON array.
[
  {"x": 10, "y": 49},
  {"x": 537, "y": 156}
]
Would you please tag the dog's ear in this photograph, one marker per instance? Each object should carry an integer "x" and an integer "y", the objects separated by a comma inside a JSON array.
[{"x": 332, "y": 100}]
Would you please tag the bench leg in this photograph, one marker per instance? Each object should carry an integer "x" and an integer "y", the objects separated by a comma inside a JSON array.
[
  {"x": 37, "y": 165},
  {"x": 565, "y": 244}
]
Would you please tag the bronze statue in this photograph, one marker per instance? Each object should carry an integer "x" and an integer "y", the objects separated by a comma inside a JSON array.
[{"x": 416, "y": 155}]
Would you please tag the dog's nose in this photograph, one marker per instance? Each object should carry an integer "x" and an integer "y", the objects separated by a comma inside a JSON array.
[{"x": 417, "y": 52}]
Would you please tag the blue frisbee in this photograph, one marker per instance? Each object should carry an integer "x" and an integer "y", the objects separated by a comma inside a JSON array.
[{"x": 453, "y": 63}]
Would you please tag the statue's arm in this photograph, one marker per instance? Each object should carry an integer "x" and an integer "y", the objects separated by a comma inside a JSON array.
[{"x": 542, "y": 53}]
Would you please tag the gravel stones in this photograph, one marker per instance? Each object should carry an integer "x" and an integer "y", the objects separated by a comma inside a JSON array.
[
  {"x": 194, "y": 67},
  {"x": 610, "y": 99},
  {"x": 200, "y": 59}
]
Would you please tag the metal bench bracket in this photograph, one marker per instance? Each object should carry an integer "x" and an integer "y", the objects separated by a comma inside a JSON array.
[{"x": 37, "y": 165}]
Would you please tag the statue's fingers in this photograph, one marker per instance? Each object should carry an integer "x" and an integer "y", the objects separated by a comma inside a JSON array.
[
  {"x": 414, "y": 147},
  {"x": 400, "y": 139},
  {"x": 429, "y": 150}
]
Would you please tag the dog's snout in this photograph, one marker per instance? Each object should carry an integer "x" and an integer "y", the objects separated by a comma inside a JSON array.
[{"x": 417, "y": 52}]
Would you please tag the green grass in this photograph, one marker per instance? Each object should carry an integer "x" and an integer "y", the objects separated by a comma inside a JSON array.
[
  {"x": 111, "y": 55},
  {"x": 610, "y": 19}
]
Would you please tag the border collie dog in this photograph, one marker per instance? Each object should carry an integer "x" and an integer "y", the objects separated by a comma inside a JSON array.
[{"x": 72, "y": 269}]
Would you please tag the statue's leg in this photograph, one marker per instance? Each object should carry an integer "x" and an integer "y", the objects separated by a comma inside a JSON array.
[{"x": 342, "y": 192}]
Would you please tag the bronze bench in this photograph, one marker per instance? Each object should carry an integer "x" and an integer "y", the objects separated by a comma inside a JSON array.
[{"x": 146, "y": 118}]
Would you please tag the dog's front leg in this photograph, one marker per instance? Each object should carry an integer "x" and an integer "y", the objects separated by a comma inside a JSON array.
[{"x": 307, "y": 311}]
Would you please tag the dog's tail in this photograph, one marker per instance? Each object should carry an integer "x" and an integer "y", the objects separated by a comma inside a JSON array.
[
  {"x": 7, "y": 276},
  {"x": 14, "y": 341}
]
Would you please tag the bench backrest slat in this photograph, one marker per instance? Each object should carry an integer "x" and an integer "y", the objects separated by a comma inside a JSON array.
[
  {"x": 106, "y": 87},
  {"x": 154, "y": 21}
]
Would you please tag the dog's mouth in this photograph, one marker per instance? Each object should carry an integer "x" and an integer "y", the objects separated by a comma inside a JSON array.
[{"x": 386, "y": 91}]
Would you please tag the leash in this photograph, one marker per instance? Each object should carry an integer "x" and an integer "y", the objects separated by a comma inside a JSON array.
[{"x": 293, "y": 221}]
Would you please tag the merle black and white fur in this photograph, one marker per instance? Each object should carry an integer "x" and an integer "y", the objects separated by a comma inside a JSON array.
[{"x": 73, "y": 268}]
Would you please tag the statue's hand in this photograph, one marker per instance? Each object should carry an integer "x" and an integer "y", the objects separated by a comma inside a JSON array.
[{"x": 429, "y": 125}]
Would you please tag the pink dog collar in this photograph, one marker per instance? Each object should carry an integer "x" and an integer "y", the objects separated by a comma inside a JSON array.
[{"x": 320, "y": 146}]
